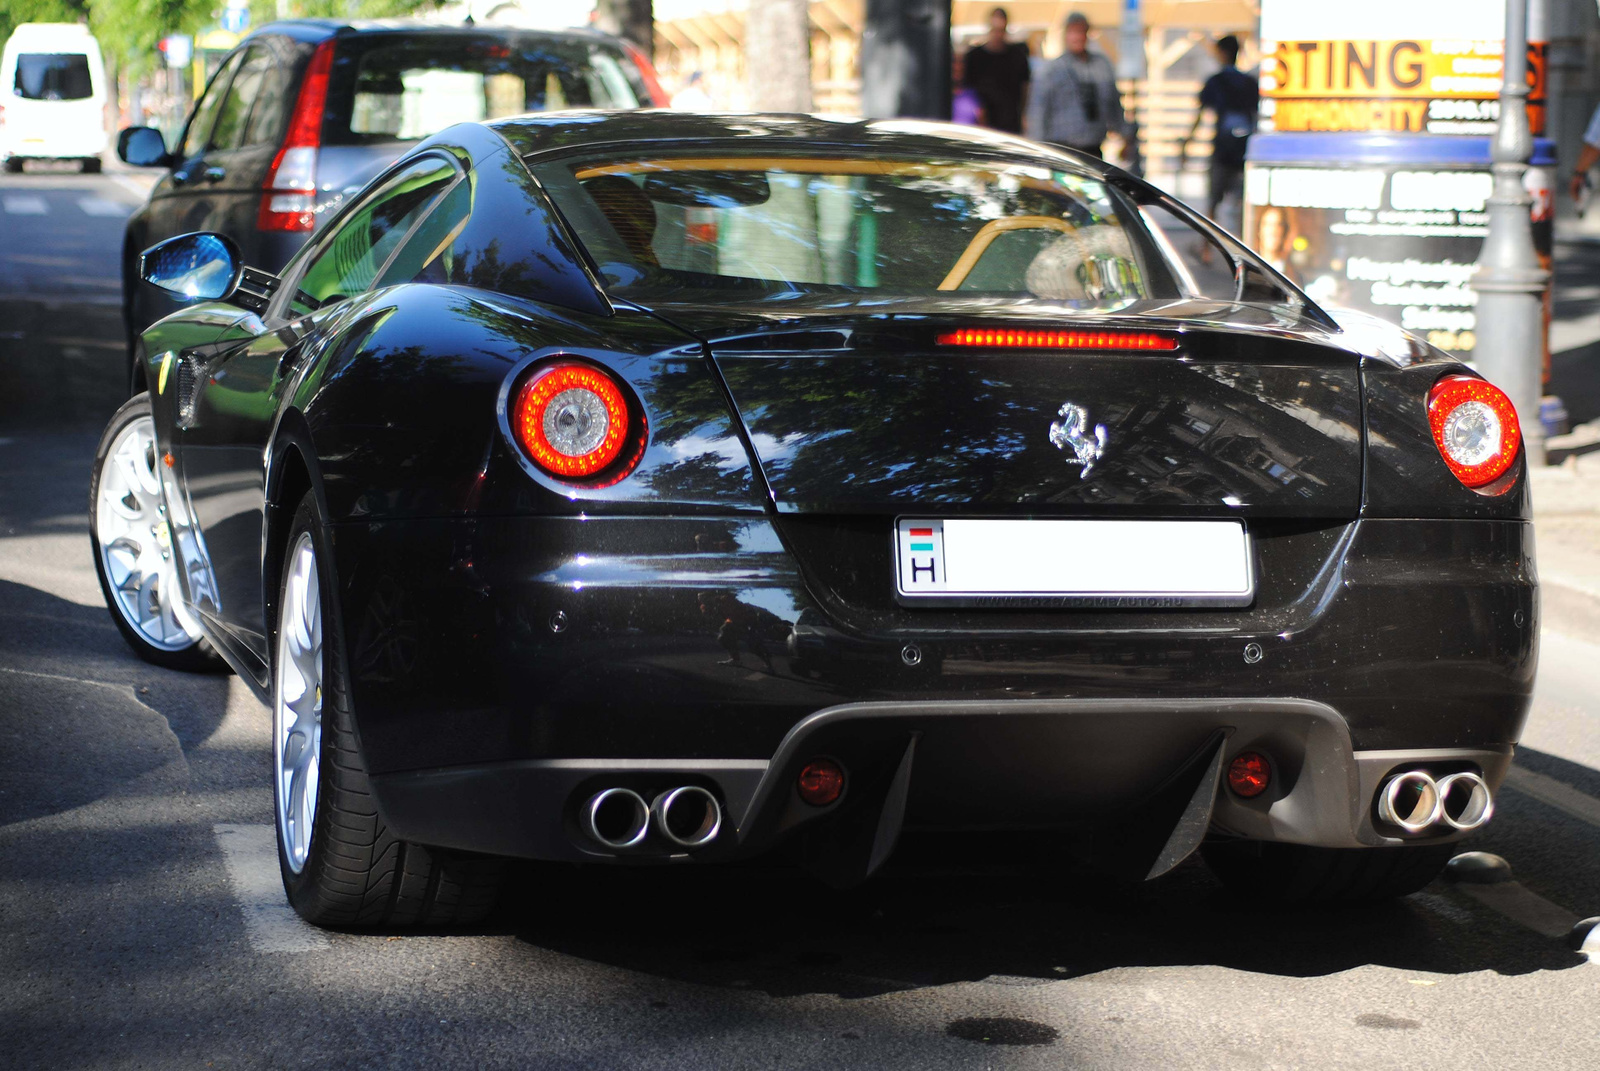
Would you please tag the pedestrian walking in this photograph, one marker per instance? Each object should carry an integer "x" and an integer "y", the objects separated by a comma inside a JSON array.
[
  {"x": 1588, "y": 156},
  {"x": 1233, "y": 97},
  {"x": 966, "y": 107},
  {"x": 1076, "y": 103},
  {"x": 998, "y": 70},
  {"x": 693, "y": 96}
]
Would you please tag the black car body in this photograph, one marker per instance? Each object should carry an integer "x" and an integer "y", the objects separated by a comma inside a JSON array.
[
  {"x": 719, "y": 608},
  {"x": 304, "y": 113}
]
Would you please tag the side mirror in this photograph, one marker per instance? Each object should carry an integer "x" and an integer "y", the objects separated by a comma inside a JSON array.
[
  {"x": 142, "y": 146},
  {"x": 196, "y": 267}
]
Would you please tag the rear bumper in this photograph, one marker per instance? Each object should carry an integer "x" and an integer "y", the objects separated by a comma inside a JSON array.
[
  {"x": 501, "y": 667},
  {"x": 1024, "y": 764}
]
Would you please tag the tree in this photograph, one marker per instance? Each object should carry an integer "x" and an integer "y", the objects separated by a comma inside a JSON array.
[
  {"x": 777, "y": 55},
  {"x": 15, "y": 12},
  {"x": 633, "y": 20}
]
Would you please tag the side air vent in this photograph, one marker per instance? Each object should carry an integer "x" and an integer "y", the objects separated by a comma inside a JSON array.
[
  {"x": 188, "y": 378},
  {"x": 255, "y": 289}
]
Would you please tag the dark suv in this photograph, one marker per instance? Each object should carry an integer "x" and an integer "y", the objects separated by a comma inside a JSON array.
[{"x": 303, "y": 113}]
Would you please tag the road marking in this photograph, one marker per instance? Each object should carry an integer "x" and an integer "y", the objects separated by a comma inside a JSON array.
[
  {"x": 99, "y": 206},
  {"x": 134, "y": 186},
  {"x": 269, "y": 921},
  {"x": 23, "y": 204},
  {"x": 1552, "y": 793},
  {"x": 1522, "y": 905}
]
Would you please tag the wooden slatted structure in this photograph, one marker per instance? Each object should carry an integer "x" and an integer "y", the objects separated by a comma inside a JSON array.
[{"x": 707, "y": 35}]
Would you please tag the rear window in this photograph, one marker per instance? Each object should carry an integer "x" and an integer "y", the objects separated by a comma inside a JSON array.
[
  {"x": 389, "y": 87},
  {"x": 53, "y": 76},
  {"x": 915, "y": 226}
]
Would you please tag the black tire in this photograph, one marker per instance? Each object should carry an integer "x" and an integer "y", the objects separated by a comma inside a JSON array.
[
  {"x": 91, "y": 165},
  {"x": 14, "y": 165},
  {"x": 1297, "y": 874},
  {"x": 357, "y": 875},
  {"x": 197, "y": 656}
]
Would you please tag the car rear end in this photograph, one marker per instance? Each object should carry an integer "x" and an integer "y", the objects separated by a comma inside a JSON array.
[
  {"x": 1037, "y": 535},
  {"x": 369, "y": 93}
]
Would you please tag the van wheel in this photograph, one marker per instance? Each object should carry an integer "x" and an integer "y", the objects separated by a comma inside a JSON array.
[
  {"x": 13, "y": 165},
  {"x": 91, "y": 165}
]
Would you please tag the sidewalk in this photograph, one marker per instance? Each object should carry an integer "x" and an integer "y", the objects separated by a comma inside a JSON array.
[{"x": 1566, "y": 512}]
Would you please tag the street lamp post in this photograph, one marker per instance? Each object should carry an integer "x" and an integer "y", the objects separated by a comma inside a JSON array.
[{"x": 1510, "y": 281}]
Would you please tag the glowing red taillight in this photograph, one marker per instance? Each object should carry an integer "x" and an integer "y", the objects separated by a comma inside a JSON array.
[
  {"x": 573, "y": 420},
  {"x": 1249, "y": 774},
  {"x": 1058, "y": 340},
  {"x": 821, "y": 782},
  {"x": 289, "y": 192},
  {"x": 1475, "y": 427}
]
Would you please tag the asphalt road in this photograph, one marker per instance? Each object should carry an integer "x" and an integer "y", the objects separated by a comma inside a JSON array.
[{"x": 141, "y": 924}]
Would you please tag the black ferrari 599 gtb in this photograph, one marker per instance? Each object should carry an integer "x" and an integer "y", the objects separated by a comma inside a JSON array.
[{"x": 651, "y": 488}]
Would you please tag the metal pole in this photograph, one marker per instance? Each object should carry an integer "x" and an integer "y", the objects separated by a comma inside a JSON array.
[{"x": 1510, "y": 281}]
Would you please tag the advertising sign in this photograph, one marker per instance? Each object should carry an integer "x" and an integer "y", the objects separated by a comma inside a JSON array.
[
  {"x": 1399, "y": 240},
  {"x": 1389, "y": 67}
]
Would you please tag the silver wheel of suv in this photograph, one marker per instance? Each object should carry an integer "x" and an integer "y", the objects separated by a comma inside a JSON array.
[{"x": 297, "y": 704}]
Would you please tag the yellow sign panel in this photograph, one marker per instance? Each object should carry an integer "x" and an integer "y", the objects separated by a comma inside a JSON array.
[{"x": 1399, "y": 86}]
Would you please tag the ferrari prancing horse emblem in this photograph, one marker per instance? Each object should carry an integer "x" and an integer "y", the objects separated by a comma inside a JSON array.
[{"x": 1071, "y": 433}]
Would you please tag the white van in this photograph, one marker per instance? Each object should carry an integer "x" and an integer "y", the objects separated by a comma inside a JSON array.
[{"x": 52, "y": 96}]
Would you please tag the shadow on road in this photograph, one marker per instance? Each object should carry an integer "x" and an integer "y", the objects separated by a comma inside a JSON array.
[
  {"x": 82, "y": 716},
  {"x": 926, "y": 924}
]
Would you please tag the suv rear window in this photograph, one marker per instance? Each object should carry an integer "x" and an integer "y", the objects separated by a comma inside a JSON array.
[
  {"x": 403, "y": 88},
  {"x": 53, "y": 76}
]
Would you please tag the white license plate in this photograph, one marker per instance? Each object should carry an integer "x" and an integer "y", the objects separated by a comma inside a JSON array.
[{"x": 1112, "y": 563}]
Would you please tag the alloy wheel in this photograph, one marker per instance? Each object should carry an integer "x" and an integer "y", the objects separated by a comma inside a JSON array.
[
  {"x": 297, "y": 704},
  {"x": 135, "y": 541}
]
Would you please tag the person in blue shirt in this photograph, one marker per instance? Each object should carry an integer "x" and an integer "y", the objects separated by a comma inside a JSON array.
[{"x": 1233, "y": 97}]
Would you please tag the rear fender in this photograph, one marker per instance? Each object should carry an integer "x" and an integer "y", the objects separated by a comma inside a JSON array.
[{"x": 405, "y": 402}]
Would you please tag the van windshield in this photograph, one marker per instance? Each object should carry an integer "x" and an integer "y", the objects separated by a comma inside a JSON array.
[{"x": 53, "y": 76}]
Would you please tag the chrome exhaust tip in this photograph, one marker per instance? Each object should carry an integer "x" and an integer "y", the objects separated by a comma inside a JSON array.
[
  {"x": 1465, "y": 801},
  {"x": 618, "y": 818},
  {"x": 1410, "y": 800},
  {"x": 688, "y": 816}
]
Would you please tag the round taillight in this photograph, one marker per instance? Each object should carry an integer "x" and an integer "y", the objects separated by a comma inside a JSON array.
[
  {"x": 1249, "y": 774},
  {"x": 821, "y": 782},
  {"x": 1475, "y": 427},
  {"x": 572, "y": 419}
]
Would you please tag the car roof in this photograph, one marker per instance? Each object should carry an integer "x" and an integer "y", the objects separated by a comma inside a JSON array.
[
  {"x": 311, "y": 29},
  {"x": 541, "y": 132}
]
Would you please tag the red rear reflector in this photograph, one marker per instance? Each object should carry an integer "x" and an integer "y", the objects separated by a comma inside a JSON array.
[
  {"x": 1059, "y": 340},
  {"x": 1475, "y": 428},
  {"x": 1249, "y": 774},
  {"x": 821, "y": 782},
  {"x": 572, "y": 419}
]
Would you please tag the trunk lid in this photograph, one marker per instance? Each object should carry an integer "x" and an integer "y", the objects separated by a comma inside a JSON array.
[{"x": 866, "y": 412}]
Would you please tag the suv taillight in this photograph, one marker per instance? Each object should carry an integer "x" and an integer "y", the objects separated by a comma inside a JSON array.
[
  {"x": 1475, "y": 427},
  {"x": 289, "y": 193},
  {"x": 647, "y": 70}
]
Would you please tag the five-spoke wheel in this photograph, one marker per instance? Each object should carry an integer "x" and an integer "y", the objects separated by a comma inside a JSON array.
[{"x": 133, "y": 544}]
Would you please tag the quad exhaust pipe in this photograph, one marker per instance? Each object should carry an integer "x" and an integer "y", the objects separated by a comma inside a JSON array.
[
  {"x": 1414, "y": 801},
  {"x": 619, "y": 818}
]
